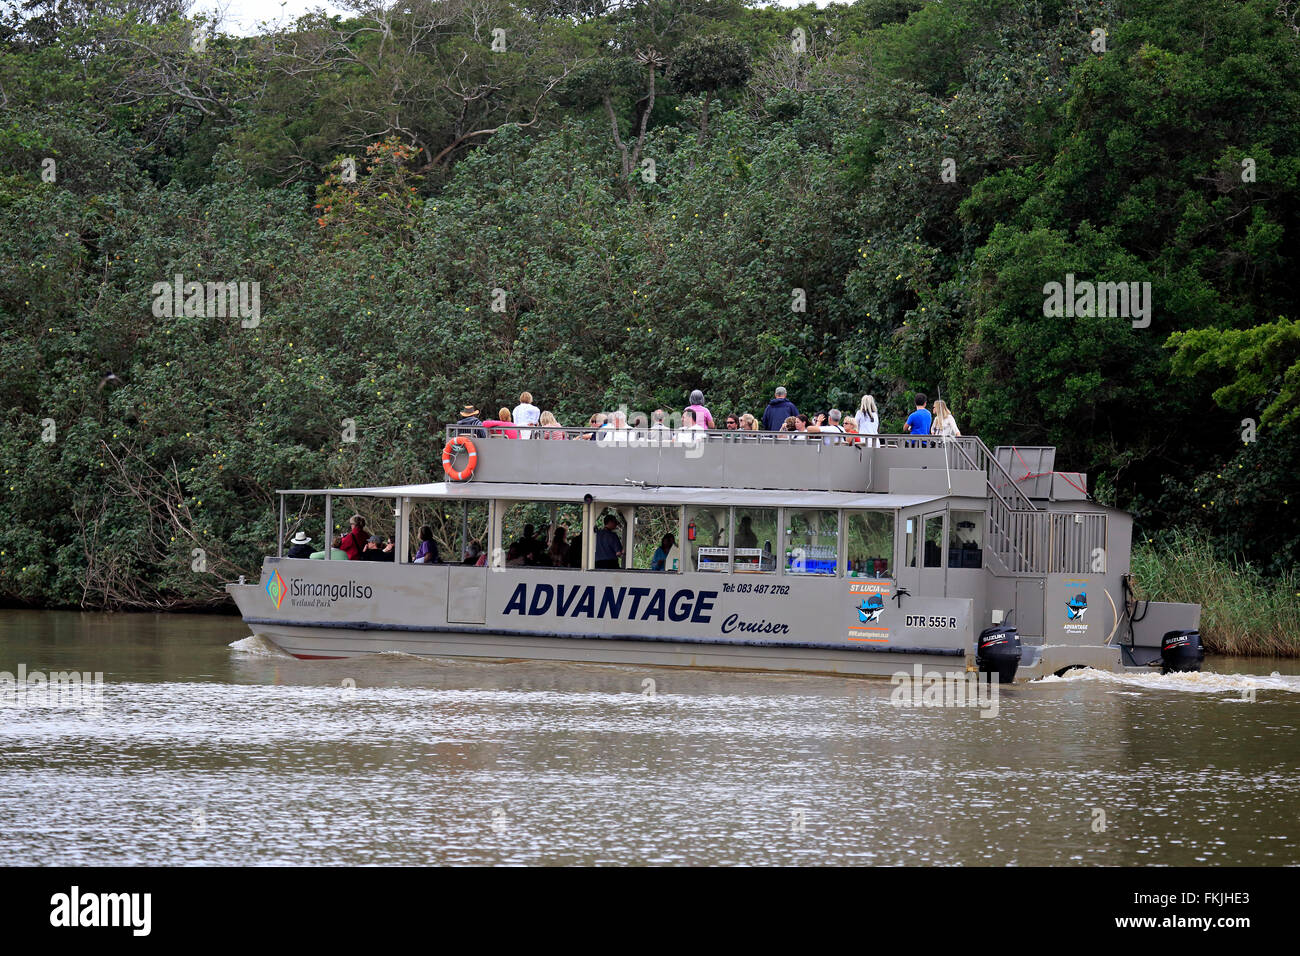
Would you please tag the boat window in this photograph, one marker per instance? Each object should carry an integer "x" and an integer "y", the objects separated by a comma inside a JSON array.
[
  {"x": 966, "y": 539},
  {"x": 870, "y": 537},
  {"x": 755, "y": 537},
  {"x": 909, "y": 548},
  {"x": 933, "y": 541},
  {"x": 708, "y": 539},
  {"x": 654, "y": 525},
  {"x": 812, "y": 542}
]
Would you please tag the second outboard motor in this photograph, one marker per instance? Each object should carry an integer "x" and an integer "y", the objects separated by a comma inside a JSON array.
[
  {"x": 1181, "y": 651},
  {"x": 998, "y": 652}
]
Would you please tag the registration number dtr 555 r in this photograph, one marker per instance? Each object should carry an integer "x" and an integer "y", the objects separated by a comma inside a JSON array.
[{"x": 921, "y": 620}]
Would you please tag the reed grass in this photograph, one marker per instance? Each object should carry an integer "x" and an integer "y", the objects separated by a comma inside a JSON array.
[{"x": 1243, "y": 612}]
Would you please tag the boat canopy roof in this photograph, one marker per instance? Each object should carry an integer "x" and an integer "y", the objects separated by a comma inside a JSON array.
[{"x": 633, "y": 494}]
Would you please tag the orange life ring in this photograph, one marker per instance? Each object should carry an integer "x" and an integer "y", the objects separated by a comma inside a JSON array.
[{"x": 449, "y": 452}]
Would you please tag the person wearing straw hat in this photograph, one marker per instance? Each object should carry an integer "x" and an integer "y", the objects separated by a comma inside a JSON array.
[
  {"x": 469, "y": 419},
  {"x": 299, "y": 546}
]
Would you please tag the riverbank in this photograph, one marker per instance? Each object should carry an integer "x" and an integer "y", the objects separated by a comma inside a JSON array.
[{"x": 1242, "y": 611}]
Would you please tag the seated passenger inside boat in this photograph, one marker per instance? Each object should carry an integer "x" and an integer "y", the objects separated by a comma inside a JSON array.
[
  {"x": 299, "y": 546},
  {"x": 427, "y": 553}
]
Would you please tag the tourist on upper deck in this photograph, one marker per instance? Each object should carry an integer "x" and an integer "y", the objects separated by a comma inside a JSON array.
[
  {"x": 795, "y": 424},
  {"x": 918, "y": 423},
  {"x": 778, "y": 410},
  {"x": 299, "y": 546},
  {"x": 336, "y": 552},
  {"x": 526, "y": 413},
  {"x": 615, "y": 428},
  {"x": 867, "y": 417},
  {"x": 468, "y": 419},
  {"x": 748, "y": 423},
  {"x": 551, "y": 428},
  {"x": 659, "y": 562},
  {"x": 828, "y": 425},
  {"x": 558, "y": 551},
  {"x": 702, "y": 415},
  {"x": 596, "y": 422},
  {"x": 427, "y": 552},
  {"x": 690, "y": 431},
  {"x": 659, "y": 432},
  {"x": 733, "y": 423},
  {"x": 943, "y": 423},
  {"x": 501, "y": 426},
  {"x": 609, "y": 546},
  {"x": 745, "y": 537},
  {"x": 851, "y": 428},
  {"x": 354, "y": 542}
]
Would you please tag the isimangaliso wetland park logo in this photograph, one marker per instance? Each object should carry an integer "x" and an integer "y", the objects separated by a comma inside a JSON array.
[
  {"x": 275, "y": 587},
  {"x": 869, "y": 610}
]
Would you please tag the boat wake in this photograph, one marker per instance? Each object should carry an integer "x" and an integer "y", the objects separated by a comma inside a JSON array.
[
  {"x": 254, "y": 646},
  {"x": 1204, "y": 682}
]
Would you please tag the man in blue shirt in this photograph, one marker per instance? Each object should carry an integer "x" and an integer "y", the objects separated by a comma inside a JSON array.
[
  {"x": 609, "y": 547},
  {"x": 918, "y": 423}
]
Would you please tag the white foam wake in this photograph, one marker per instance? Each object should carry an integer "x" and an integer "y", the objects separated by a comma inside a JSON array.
[
  {"x": 1203, "y": 682},
  {"x": 254, "y": 646}
]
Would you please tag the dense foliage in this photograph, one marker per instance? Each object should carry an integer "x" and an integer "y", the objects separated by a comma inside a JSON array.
[{"x": 612, "y": 203}]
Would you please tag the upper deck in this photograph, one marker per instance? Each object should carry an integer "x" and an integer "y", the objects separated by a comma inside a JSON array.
[{"x": 773, "y": 461}]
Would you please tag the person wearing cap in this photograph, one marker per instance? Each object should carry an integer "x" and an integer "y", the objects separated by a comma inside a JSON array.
[
  {"x": 299, "y": 546},
  {"x": 375, "y": 550},
  {"x": 469, "y": 420}
]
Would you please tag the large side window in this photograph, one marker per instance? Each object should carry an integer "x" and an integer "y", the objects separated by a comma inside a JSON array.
[
  {"x": 755, "y": 537},
  {"x": 812, "y": 542},
  {"x": 708, "y": 538},
  {"x": 870, "y": 543},
  {"x": 966, "y": 539},
  {"x": 654, "y": 545}
]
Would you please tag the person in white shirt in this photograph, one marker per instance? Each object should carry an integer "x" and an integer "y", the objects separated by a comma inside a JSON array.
[
  {"x": 944, "y": 424},
  {"x": 868, "y": 418},
  {"x": 689, "y": 433},
  {"x": 615, "y": 429},
  {"x": 526, "y": 413},
  {"x": 831, "y": 429}
]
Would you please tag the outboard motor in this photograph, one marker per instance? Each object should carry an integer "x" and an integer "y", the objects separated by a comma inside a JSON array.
[
  {"x": 1181, "y": 651},
  {"x": 998, "y": 652}
]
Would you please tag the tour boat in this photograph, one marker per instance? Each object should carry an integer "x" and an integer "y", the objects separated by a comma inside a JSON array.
[{"x": 791, "y": 552}]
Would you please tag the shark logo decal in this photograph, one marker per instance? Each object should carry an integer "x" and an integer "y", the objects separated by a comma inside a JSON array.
[
  {"x": 869, "y": 610},
  {"x": 1076, "y": 606}
]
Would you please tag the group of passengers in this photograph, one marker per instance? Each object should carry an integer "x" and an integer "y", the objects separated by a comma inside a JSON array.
[
  {"x": 526, "y": 420},
  {"x": 359, "y": 545}
]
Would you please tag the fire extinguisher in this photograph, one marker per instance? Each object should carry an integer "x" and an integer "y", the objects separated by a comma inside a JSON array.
[{"x": 690, "y": 531}]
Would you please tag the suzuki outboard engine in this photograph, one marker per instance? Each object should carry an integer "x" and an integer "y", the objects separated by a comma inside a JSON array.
[
  {"x": 998, "y": 652},
  {"x": 1181, "y": 651}
]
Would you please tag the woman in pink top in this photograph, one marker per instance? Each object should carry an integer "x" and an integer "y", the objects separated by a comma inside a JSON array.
[{"x": 702, "y": 416}]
